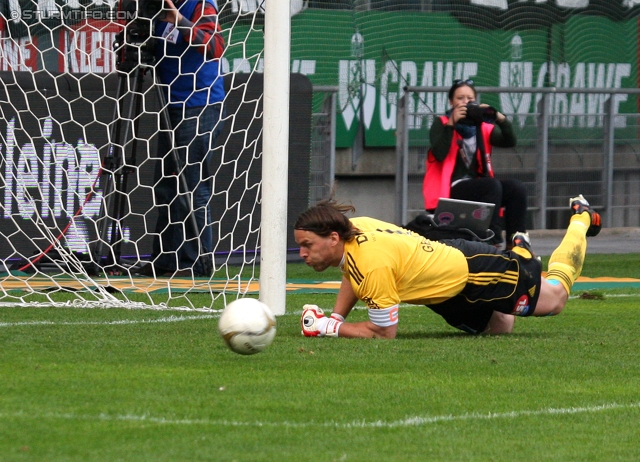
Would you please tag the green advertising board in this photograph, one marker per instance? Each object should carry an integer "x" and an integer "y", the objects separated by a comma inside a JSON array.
[{"x": 372, "y": 56}]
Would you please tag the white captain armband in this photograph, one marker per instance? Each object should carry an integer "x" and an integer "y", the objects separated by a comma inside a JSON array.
[{"x": 384, "y": 317}]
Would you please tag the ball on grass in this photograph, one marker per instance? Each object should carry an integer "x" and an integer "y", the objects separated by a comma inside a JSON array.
[{"x": 247, "y": 326}]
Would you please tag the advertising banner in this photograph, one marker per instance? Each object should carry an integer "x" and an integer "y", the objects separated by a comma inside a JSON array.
[
  {"x": 371, "y": 55},
  {"x": 373, "y": 64},
  {"x": 52, "y": 149},
  {"x": 90, "y": 47}
]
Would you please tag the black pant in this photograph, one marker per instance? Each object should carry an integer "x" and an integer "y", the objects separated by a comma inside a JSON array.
[
  {"x": 510, "y": 194},
  {"x": 515, "y": 293}
]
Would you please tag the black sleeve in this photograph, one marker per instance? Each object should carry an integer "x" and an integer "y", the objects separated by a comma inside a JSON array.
[
  {"x": 440, "y": 136},
  {"x": 503, "y": 136}
]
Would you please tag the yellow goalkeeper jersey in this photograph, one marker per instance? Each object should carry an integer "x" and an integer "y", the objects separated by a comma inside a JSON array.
[{"x": 387, "y": 265}]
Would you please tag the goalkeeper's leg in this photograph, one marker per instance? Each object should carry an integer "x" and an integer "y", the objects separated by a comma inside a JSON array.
[{"x": 565, "y": 263}]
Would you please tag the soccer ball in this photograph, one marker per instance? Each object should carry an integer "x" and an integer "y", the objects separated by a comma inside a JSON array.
[{"x": 247, "y": 326}]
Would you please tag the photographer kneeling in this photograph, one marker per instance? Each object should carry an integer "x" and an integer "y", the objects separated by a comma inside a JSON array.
[{"x": 459, "y": 161}]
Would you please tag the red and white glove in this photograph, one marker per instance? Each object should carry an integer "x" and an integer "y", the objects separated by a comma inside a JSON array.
[{"x": 315, "y": 324}]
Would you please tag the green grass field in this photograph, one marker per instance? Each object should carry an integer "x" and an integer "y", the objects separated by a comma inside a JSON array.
[{"x": 113, "y": 384}]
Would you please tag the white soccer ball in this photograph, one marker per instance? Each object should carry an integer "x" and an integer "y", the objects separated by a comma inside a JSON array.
[{"x": 247, "y": 326}]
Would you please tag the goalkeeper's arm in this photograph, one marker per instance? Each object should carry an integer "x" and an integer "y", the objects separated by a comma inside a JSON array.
[
  {"x": 345, "y": 301},
  {"x": 382, "y": 323}
]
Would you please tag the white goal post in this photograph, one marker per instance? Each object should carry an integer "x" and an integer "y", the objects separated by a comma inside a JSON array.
[{"x": 275, "y": 167}]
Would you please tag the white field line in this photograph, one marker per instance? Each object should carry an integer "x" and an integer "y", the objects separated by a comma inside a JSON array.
[
  {"x": 416, "y": 421},
  {"x": 109, "y": 323},
  {"x": 85, "y": 304},
  {"x": 129, "y": 321}
]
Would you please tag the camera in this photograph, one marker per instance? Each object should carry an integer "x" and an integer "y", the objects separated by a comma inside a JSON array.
[
  {"x": 147, "y": 9},
  {"x": 476, "y": 114},
  {"x": 135, "y": 45},
  {"x": 150, "y": 8}
]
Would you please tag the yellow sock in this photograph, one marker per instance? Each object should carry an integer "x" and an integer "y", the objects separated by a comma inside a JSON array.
[{"x": 565, "y": 263}]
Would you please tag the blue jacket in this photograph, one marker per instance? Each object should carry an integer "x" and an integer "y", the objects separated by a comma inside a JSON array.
[{"x": 192, "y": 79}]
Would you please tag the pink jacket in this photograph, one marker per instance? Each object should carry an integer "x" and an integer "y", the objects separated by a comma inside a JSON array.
[{"x": 437, "y": 179}]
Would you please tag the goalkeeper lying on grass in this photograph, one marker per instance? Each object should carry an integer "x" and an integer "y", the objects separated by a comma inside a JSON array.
[{"x": 472, "y": 285}]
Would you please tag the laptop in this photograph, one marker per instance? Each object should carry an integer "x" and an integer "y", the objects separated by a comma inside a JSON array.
[{"x": 474, "y": 216}]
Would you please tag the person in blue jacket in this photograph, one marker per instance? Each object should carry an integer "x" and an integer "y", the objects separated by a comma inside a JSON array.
[{"x": 189, "y": 45}]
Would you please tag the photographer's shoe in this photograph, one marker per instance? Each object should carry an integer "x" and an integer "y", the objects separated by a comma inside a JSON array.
[
  {"x": 151, "y": 271},
  {"x": 580, "y": 205},
  {"x": 146, "y": 270}
]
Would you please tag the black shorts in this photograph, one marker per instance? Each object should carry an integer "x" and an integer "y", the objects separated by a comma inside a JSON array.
[{"x": 498, "y": 281}]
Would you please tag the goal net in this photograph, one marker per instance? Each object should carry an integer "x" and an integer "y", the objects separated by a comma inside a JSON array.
[{"x": 86, "y": 140}]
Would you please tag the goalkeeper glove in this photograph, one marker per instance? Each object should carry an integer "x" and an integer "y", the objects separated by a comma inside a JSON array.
[{"x": 315, "y": 324}]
